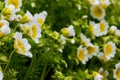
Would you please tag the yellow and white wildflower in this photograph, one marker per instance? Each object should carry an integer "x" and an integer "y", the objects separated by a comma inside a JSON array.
[
  {"x": 92, "y": 50},
  {"x": 109, "y": 50},
  {"x": 117, "y": 33},
  {"x": 24, "y": 28},
  {"x": 97, "y": 76},
  {"x": 21, "y": 45},
  {"x": 68, "y": 31},
  {"x": 8, "y": 13},
  {"x": 113, "y": 29},
  {"x": 97, "y": 12},
  {"x": 28, "y": 17},
  {"x": 18, "y": 18},
  {"x": 16, "y": 3},
  {"x": 63, "y": 39},
  {"x": 82, "y": 54},
  {"x": 34, "y": 32},
  {"x": 102, "y": 28},
  {"x": 116, "y": 74},
  {"x": 40, "y": 18},
  {"x": 105, "y": 3},
  {"x": 94, "y": 2},
  {"x": 104, "y": 73},
  {"x": 86, "y": 41},
  {"x": 4, "y": 28}
]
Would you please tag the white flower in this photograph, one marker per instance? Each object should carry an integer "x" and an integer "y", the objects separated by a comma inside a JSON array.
[
  {"x": 63, "y": 39},
  {"x": 34, "y": 32},
  {"x": 98, "y": 77},
  {"x": 18, "y": 17},
  {"x": 92, "y": 50},
  {"x": 97, "y": 12},
  {"x": 21, "y": 45},
  {"x": 82, "y": 54},
  {"x": 105, "y": 3},
  {"x": 113, "y": 29},
  {"x": 109, "y": 50},
  {"x": 117, "y": 33},
  {"x": 68, "y": 31},
  {"x": 101, "y": 28},
  {"x": 4, "y": 27},
  {"x": 28, "y": 17},
  {"x": 94, "y": 28},
  {"x": 40, "y": 18},
  {"x": 101, "y": 56},
  {"x": 104, "y": 73},
  {"x": 72, "y": 41},
  {"x": 117, "y": 71},
  {"x": 24, "y": 28},
  {"x": 94, "y": 2},
  {"x": 1, "y": 75},
  {"x": 8, "y": 13},
  {"x": 16, "y": 3},
  {"x": 85, "y": 40}
]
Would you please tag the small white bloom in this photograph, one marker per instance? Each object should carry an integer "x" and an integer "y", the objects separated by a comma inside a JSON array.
[
  {"x": 21, "y": 45},
  {"x": 63, "y": 39},
  {"x": 94, "y": 2},
  {"x": 109, "y": 50},
  {"x": 16, "y": 3},
  {"x": 25, "y": 28},
  {"x": 86, "y": 41},
  {"x": 33, "y": 4},
  {"x": 1, "y": 75},
  {"x": 117, "y": 33},
  {"x": 92, "y": 50},
  {"x": 113, "y": 29},
  {"x": 104, "y": 73},
  {"x": 97, "y": 12},
  {"x": 82, "y": 54},
  {"x": 72, "y": 41},
  {"x": 40, "y": 18},
  {"x": 117, "y": 71},
  {"x": 34, "y": 32},
  {"x": 105, "y": 3},
  {"x": 98, "y": 77},
  {"x": 102, "y": 28},
  {"x": 4, "y": 27},
  {"x": 18, "y": 17}
]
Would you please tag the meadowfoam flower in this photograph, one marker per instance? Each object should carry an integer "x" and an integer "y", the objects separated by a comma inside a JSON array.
[
  {"x": 105, "y": 3},
  {"x": 24, "y": 28},
  {"x": 40, "y": 18},
  {"x": 97, "y": 76},
  {"x": 63, "y": 39},
  {"x": 103, "y": 28},
  {"x": 97, "y": 12},
  {"x": 21, "y": 45},
  {"x": 28, "y": 17},
  {"x": 34, "y": 32},
  {"x": 92, "y": 50},
  {"x": 94, "y": 28},
  {"x": 68, "y": 31},
  {"x": 104, "y": 73},
  {"x": 18, "y": 18},
  {"x": 112, "y": 29},
  {"x": 117, "y": 33},
  {"x": 82, "y": 54},
  {"x": 93, "y": 2},
  {"x": 101, "y": 56},
  {"x": 1, "y": 74},
  {"x": 85, "y": 40},
  {"x": 117, "y": 71},
  {"x": 109, "y": 50},
  {"x": 8, "y": 13},
  {"x": 16, "y": 3},
  {"x": 4, "y": 28}
]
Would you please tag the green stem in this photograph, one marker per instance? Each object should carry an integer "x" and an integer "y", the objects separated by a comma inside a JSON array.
[
  {"x": 28, "y": 71},
  {"x": 43, "y": 73},
  {"x": 11, "y": 54}
]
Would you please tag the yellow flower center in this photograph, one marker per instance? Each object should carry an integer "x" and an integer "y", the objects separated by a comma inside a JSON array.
[
  {"x": 34, "y": 31},
  {"x": 16, "y": 3},
  {"x": 102, "y": 27},
  {"x": 97, "y": 11},
  {"x": 108, "y": 49},
  {"x": 81, "y": 54},
  {"x": 118, "y": 73},
  {"x": 20, "y": 45},
  {"x": 1, "y": 34},
  {"x": 25, "y": 19},
  {"x": 65, "y": 32},
  {"x": 1, "y": 24},
  {"x": 40, "y": 21},
  {"x": 91, "y": 49}
]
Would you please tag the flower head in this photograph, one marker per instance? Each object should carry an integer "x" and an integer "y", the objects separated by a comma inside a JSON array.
[
  {"x": 105, "y": 3},
  {"x": 21, "y": 45},
  {"x": 97, "y": 76},
  {"x": 113, "y": 29},
  {"x": 8, "y": 13},
  {"x": 1, "y": 74},
  {"x": 109, "y": 50},
  {"x": 93, "y": 2},
  {"x": 97, "y": 12},
  {"x": 40, "y": 18},
  {"x": 4, "y": 28},
  {"x": 117, "y": 71},
  {"x": 82, "y": 54},
  {"x": 104, "y": 73},
  {"x": 16, "y": 3}
]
